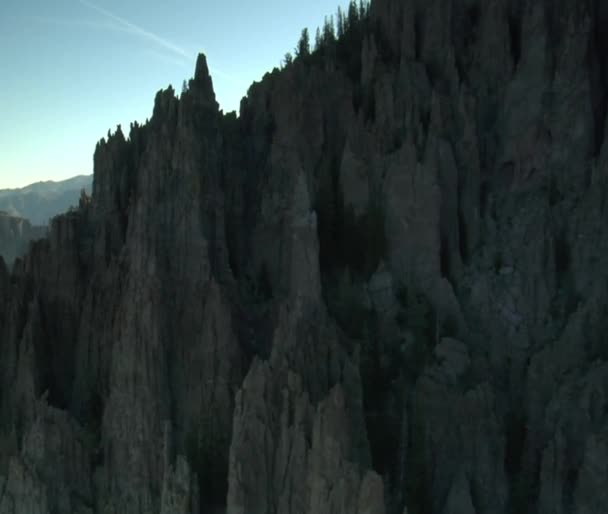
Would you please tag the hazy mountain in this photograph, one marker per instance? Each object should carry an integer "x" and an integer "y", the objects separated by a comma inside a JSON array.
[
  {"x": 41, "y": 201},
  {"x": 382, "y": 289},
  {"x": 15, "y": 236}
]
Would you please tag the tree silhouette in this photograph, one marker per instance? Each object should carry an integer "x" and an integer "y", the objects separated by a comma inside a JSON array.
[
  {"x": 329, "y": 34},
  {"x": 318, "y": 40},
  {"x": 303, "y": 48},
  {"x": 340, "y": 22},
  {"x": 353, "y": 15},
  {"x": 363, "y": 9}
]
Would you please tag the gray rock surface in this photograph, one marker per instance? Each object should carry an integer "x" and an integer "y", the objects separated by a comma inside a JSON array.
[{"x": 380, "y": 289}]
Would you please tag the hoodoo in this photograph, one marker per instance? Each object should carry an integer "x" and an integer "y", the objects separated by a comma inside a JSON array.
[{"x": 431, "y": 341}]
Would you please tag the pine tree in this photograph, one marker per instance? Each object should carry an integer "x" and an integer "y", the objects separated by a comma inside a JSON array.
[
  {"x": 340, "y": 22},
  {"x": 329, "y": 34},
  {"x": 363, "y": 9},
  {"x": 288, "y": 59},
  {"x": 303, "y": 48},
  {"x": 318, "y": 40},
  {"x": 353, "y": 14}
]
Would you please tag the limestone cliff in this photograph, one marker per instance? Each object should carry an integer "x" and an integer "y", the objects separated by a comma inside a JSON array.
[{"x": 380, "y": 289}]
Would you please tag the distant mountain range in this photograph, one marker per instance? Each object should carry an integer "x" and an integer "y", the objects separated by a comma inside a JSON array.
[{"x": 41, "y": 201}]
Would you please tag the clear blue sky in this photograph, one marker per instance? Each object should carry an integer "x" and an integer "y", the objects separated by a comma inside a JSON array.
[{"x": 72, "y": 69}]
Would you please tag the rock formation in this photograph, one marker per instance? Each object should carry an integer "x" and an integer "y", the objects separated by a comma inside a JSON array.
[{"x": 379, "y": 290}]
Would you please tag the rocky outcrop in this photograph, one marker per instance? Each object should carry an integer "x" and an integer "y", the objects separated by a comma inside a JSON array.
[
  {"x": 51, "y": 473},
  {"x": 380, "y": 289}
]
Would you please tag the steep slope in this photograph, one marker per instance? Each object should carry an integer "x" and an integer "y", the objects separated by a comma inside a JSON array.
[
  {"x": 381, "y": 289},
  {"x": 41, "y": 201}
]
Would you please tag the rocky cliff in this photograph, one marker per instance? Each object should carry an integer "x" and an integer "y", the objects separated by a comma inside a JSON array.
[{"x": 381, "y": 289}]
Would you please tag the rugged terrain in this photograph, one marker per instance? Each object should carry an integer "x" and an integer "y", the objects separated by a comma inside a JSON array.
[{"x": 380, "y": 289}]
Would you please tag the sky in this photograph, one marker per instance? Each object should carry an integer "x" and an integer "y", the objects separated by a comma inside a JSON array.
[{"x": 72, "y": 69}]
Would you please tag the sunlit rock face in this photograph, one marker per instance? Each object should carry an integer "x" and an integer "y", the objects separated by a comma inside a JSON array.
[{"x": 380, "y": 289}]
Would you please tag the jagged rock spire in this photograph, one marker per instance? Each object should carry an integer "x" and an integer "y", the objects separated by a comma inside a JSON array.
[{"x": 202, "y": 80}]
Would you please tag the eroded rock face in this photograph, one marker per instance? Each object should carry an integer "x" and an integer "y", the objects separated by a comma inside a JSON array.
[
  {"x": 381, "y": 289},
  {"x": 52, "y": 471}
]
